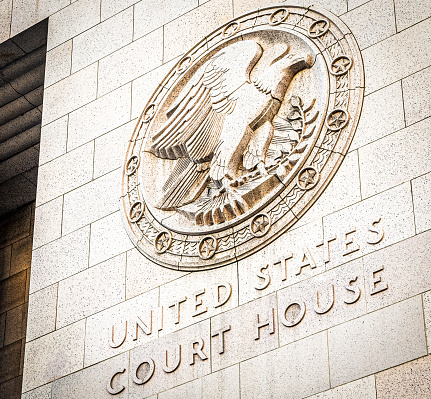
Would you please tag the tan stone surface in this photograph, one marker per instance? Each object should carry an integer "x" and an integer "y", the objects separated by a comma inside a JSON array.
[
  {"x": 93, "y": 120},
  {"x": 417, "y": 96},
  {"x": 21, "y": 255},
  {"x": 11, "y": 389},
  {"x": 12, "y": 291},
  {"x": 421, "y": 188},
  {"x": 90, "y": 202},
  {"x": 54, "y": 355},
  {"x": 69, "y": 94},
  {"x": 53, "y": 140},
  {"x": 17, "y": 225},
  {"x": 141, "y": 56},
  {"x": 292, "y": 371},
  {"x": 360, "y": 389},
  {"x": 48, "y": 220},
  {"x": 108, "y": 8},
  {"x": 410, "y": 154},
  {"x": 411, "y": 12},
  {"x": 10, "y": 364},
  {"x": 377, "y": 341},
  {"x": 108, "y": 238},
  {"x": 320, "y": 292},
  {"x": 382, "y": 114},
  {"x": 387, "y": 61},
  {"x": 5, "y": 19},
  {"x": 42, "y": 312},
  {"x": 239, "y": 342},
  {"x": 427, "y": 313},
  {"x": 92, "y": 382},
  {"x": 99, "y": 327},
  {"x": 69, "y": 254},
  {"x": 157, "y": 351},
  {"x": 220, "y": 385},
  {"x": 408, "y": 381},
  {"x": 58, "y": 63},
  {"x": 143, "y": 275},
  {"x": 72, "y": 20},
  {"x": 43, "y": 392},
  {"x": 115, "y": 32},
  {"x": 16, "y": 319},
  {"x": 5, "y": 257}
]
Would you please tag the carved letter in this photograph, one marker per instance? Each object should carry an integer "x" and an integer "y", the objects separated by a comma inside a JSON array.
[
  {"x": 290, "y": 256},
  {"x": 270, "y": 323},
  {"x": 296, "y": 318},
  {"x": 376, "y": 230},
  {"x": 197, "y": 303},
  {"x": 111, "y": 389},
  {"x": 112, "y": 344},
  {"x": 354, "y": 289},
  {"x": 326, "y": 251},
  {"x": 220, "y": 332},
  {"x": 176, "y": 306},
  {"x": 350, "y": 242},
  {"x": 148, "y": 375},
  {"x": 265, "y": 277},
  {"x": 160, "y": 318},
  {"x": 318, "y": 309},
  {"x": 307, "y": 260},
  {"x": 375, "y": 281},
  {"x": 140, "y": 324},
  {"x": 170, "y": 369},
  {"x": 198, "y": 351},
  {"x": 221, "y": 302}
]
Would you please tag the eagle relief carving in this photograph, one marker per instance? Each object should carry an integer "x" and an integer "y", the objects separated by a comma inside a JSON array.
[{"x": 241, "y": 137}]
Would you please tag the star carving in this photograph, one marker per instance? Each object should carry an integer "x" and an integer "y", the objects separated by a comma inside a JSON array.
[
  {"x": 207, "y": 247},
  {"x": 318, "y": 28},
  {"x": 231, "y": 29},
  {"x": 337, "y": 119},
  {"x": 260, "y": 225},
  {"x": 341, "y": 65},
  {"x": 184, "y": 64},
  {"x": 278, "y": 17},
  {"x": 136, "y": 211},
  {"x": 163, "y": 242},
  {"x": 149, "y": 113},
  {"x": 132, "y": 164},
  {"x": 308, "y": 178}
]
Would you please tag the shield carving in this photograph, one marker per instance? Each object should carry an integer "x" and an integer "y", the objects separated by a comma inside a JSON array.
[{"x": 241, "y": 137}]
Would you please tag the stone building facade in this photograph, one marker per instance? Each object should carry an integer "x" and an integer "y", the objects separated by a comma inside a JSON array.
[{"x": 338, "y": 306}]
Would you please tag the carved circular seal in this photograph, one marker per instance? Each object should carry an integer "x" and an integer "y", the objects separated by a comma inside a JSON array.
[{"x": 244, "y": 133}]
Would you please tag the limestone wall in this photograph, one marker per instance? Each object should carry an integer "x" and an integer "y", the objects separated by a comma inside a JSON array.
[{"x": 104, "y": 60}]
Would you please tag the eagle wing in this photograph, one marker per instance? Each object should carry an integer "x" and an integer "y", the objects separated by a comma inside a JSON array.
[{"x": 195, "y": 121}]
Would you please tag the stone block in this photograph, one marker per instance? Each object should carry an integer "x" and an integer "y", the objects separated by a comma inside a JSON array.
[
  {"x": 60, "y": 259},
  {"x": 422, "y": 202},
  {"x": 239, "y": 337},
  {"x": 2, "y": 328},
  {"x": 65, "y": 173},
  {"x": 292, "y": 371},
  {"x": 400, "y": 267},
  {"x": 72, "y": 20},
  {"x": 166, "y": 348},
  {"x": 12, "y": 291},
  {"x": 16, "y": 192},
  {"x": 417, "y": 96},
  {"x": 198, "y": 300},
  {"x": 5, "y": 19},
  {"x": 220, "y": 385},
  {"x": 28, "y": 12},
  {"x": 194, "y": 25},
  {"x": 70, "y": 93},
  {"x": 377, "y": 341},
  {"x": 427, "y": 312},
  {"x": 370, "y": 225},
  {"x": 409, "y": 13},
  {"x": 356, "y": 3},
  {"x": 387, "y": 61},
  {"x": 9, "y": 366},
  {"x": 372, "y": 22},
  {"x": 410, "y": 380},
  {"x": 108, "y": 8},
  {"x": 108, "y": 238},
  {"x": 382, "y": 114},
  {"x": 91, "y": 291},
  {"x": 152, "y": 14},
  {"x": 53, "y": 140},
  {"x": 144, "y": 86},
  {"x": 325, "y": 301},
  {"x": 99, "y": 117},
  {"x": 140, "y": 56},
  {"x": 143, "y": 275},
  {"x": 58, "y": 63},
  {"x": 54, "y": 355},
  {"x": 5, "y": 257},
  {"x": 11, "y": 389},
  {"x": 16, "y": 319},
  {"x": 42, "y": 306},
  {"x": 92, "y": 382},
  {"x": 410, "y": 155},
  {"x": 110, "y": 149},
  {"x": 48, "y": 219},
  {"x": 109, "y": 325},
  {"x": 15, "y": 225},
  {"x": 360, "y": 389},
  {"x": 21, "y": 255},
  {"x": 115, "y": 32},
  {"x": 91, "y": 202},
  {"x": 43, "y": 392}
]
